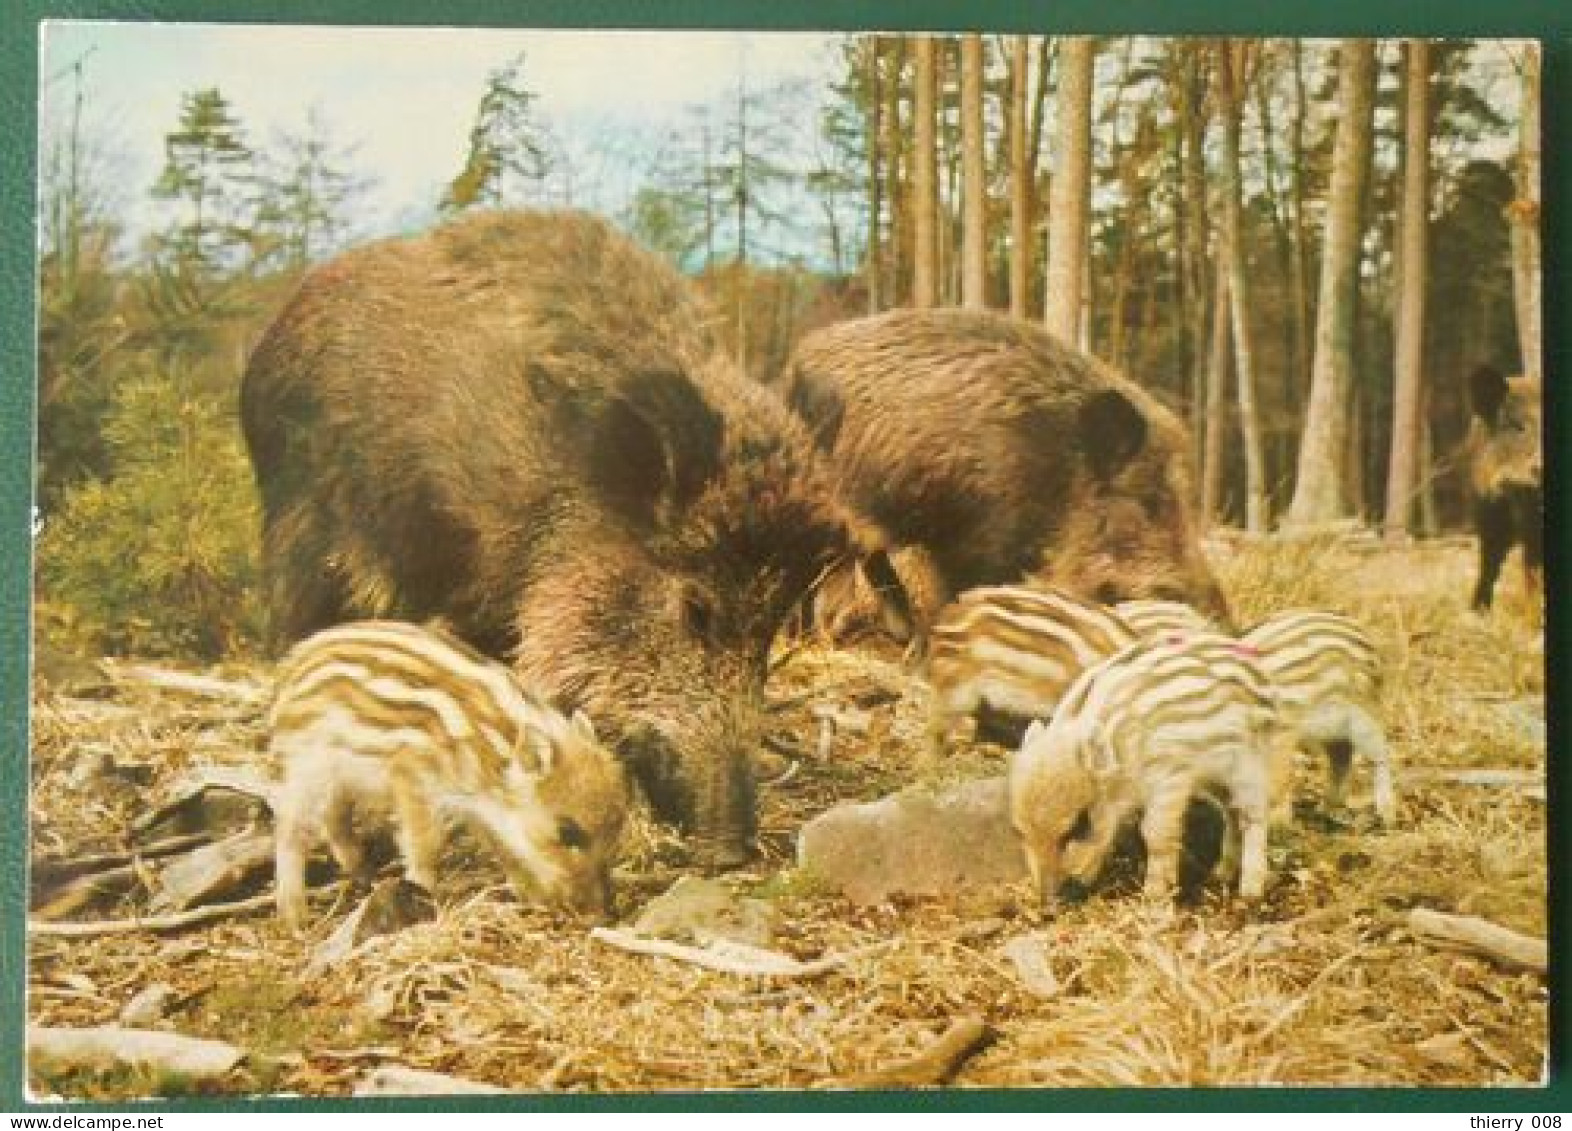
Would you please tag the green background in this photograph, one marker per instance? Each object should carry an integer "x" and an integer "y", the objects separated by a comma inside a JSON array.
[{"x": 1549, "y": 20}]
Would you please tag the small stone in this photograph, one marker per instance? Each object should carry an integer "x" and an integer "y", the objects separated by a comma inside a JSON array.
[
  {"x": 1029, "y": 955},
  {"x": 695, "y": 910},
  {"x": 148, "y": 1006},
  {"x": 915, "y": 843}
]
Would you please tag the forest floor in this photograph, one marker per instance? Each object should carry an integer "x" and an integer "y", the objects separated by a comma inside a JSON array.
[{"x": 1322, "y": 984}]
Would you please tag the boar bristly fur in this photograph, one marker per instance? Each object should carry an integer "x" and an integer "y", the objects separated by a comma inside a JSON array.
[
  {"x": 1005, "y": 454},
  {"x": 520, "y": 423}
]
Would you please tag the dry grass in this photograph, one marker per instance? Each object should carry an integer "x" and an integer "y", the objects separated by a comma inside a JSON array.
[{"x": 1321, "y": 985}]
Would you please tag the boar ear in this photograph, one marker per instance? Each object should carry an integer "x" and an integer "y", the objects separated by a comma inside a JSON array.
[
  {"x": 1113, "y": 432},
  {"x": 582, "y": 727},
  {"x": 654, "y": 445},
  {"x": 1034, "y": 729},
  {"x": 1487, "y": 388}
]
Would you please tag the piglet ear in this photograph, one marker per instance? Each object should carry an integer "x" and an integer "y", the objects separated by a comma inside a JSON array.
[
  {"x": 1113, "y": 432},
  {"x": 535, "y": 749},
  {"x": 1487, "y": 388},
  {"x": 1034, "y": 730},
  {"x": 583, "y": 729}
]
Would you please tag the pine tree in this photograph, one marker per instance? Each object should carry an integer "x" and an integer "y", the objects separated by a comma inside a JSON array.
[
  {"x": 208, "y": 169},
  {"x": 507, "y": 144}
]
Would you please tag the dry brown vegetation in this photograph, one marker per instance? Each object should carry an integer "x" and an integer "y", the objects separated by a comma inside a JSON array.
[{"x": 1323, "y": 984}]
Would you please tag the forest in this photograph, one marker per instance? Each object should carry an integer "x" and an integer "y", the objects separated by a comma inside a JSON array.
[
  {"x": 1304, "y": 249},
  {"x": 1228, "y": 223}
]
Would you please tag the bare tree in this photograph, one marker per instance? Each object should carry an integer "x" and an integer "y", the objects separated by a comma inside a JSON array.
[
  {"x": 1319, "y": 495},
  {"x": 1231, "y": 65},
  {"x": 1524, "y": 212},
  {"x": 875, "y": 255},
  {"x": 925, "y": 177},
  {"x": 1020, "y": 179},
  {"x": 1069, "y": 204},
  {"x": 974, "y": 178},
  {"x": 1402, "y": 469}
]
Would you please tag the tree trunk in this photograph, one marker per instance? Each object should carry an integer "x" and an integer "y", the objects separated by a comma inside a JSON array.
[
  {"x": 1230, "y": 73},
  {"x": 874, "y": 136},
  {"x": 1194, "y": 267},
  {"x": 925, "y": 178},
  {"x": 1299, "y": 289},
  {"x": 896, "y": 161},
  {"x": 1070, "y": 202},
  {"x": 974, "y": 178},
  {"x": 1319, "y": 495},
  {"x": 1216, "y": 385},
  {"x": 1524, "y": 213},
  {"x": 1403, "y": 466},
  {"x": 1020, "y": 179}
]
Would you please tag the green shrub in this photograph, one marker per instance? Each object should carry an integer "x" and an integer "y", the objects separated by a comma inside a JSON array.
[{"x": 160, "y": 556}]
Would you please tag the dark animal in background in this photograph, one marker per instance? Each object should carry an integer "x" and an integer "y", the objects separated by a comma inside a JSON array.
[
  {"x": 1005, "y": 454},
  {"x": 519, "y": 423},
  {"x": 1506, "y": 476}
]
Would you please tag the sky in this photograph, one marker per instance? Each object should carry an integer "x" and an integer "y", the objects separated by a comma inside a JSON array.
[{"x": 406, "y": 96}]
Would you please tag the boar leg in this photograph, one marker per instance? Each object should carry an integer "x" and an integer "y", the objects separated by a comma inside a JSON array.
[
  {"x": 292, "y": 845},
  {"x": 338, "y": 822},
  {"x": 1369, "y": 742},
  {"x": 1162, "y": 828},
  {"x": 1249, "y": 797},
  {"x": 419, "y": 831},
  {"x": 1494, "y": 521}
]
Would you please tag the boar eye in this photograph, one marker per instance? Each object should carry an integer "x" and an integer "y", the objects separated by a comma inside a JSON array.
[
  {"x": 1081, "y": 829},
  {"x": 698, "y": 616},
  {"x": 572, "y": 834}
]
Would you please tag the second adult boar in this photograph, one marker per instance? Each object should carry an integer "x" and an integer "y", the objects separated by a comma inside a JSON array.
[
  {"x": 519, "y": 423},
  {"x": 1005, "y": 454},
  {"x": 1506, "y": 475}
]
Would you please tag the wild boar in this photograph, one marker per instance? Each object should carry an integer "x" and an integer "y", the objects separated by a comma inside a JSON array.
[
  {"x": 520, "y": 423},
  {"x": 384, "y": 716},
  {"x": 1005, "y": 454},
  {"x": 1326, "y": 675},
  {"x": 1506, "y": 477},
  {"x": 1140, "y": 736}
]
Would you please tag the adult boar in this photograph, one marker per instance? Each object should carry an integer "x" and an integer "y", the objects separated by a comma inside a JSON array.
[
  {"x": 1506, "y": 476},
  {"x": 1004, "y": 454},
  {"x": 519, "y": 423}
]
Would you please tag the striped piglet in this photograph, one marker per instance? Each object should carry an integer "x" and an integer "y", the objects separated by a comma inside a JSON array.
[
  {"x": 1008, "y": 654},
  {"x": 1327, "y": 676},
  {"x": 395, "y": 717},
  {"x": 1138, "y": 736}
]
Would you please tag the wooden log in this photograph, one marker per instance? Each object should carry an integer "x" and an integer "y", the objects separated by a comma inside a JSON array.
[
  {"x": 1480, "y": 936},
  {"x": 157, "y": 924},
  {"x": 109, "y": 1046},
  {"x": 934, "y": 1065}
]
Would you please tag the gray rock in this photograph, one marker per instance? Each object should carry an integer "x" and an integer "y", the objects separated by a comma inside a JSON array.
[
  {"x": 697, "y": 910},
  {"x": 915, "y": 843}
]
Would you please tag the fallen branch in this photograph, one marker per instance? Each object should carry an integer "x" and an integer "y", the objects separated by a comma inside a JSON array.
[
  {"x": 724, "y": 955},
  {"x": 213, "y": 871},
  {"x": 166, "y": 679},
  {"x": 1480, "y": 936},
  {"x": 83, "y": 890},
  {"x": 154, "y": 923},
  {"x": 107, "y": 1046},
  {"x": 934, "y": 1065},
  {"x": 396, "y": 1080},
  {"x": 61, "y": 869},
  {"x": 1531, "y": 782}
]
